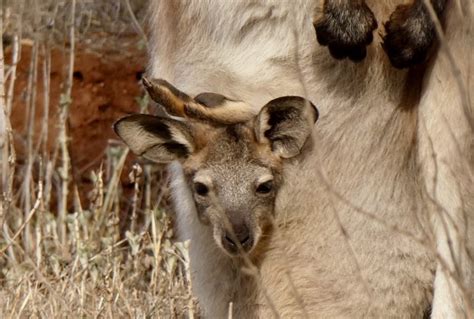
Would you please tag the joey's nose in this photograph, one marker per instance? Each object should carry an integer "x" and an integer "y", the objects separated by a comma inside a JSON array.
[{"x": 239, "y": 236}]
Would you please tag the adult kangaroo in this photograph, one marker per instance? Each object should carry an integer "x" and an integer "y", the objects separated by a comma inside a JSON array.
[{"x": 376, "y": 219}]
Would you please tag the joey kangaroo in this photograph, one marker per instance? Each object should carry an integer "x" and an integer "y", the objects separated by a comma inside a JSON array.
[
  {"x": 374, "y": 217},
  {"x": 233, "y": 166}
]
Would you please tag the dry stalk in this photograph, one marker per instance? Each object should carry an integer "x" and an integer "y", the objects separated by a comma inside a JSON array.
[
  {"x": 229, "y": 313},
  {"x": 38, "y": 241},
  {"x": 147, "y": 195},
  {"x": 111, "y": 192},
  {"x": 9, "y": 248},
  {"x": 39, "y": 220},
  {"x": 7, "y": 144},
  {"x": 8, "y": 150},
  {"x": 135, "y": 177},
  {"x": 8, "y": 155},
  {"x": 3, "y": 120},
  {"x": 43, "y": 136},
  {"x": 75, "y": 233},
  {"x": 16, "y": 50},
  {"x": 136, "y": 25},
  {"x": 30, "y": 129},
  {"x": 63, "y": 136},
  {"x": 48, "y": 178},
  {"x": 43, "y": 140},
  {"x": 23, "y": 305},
  {"x": 156, "y": 240}
]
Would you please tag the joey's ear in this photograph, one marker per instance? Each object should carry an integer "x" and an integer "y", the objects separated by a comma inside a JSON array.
[
  {"x": 160, "y": 140},
  {"x": 208, "y": 107},
  {"x": 286, "y": 123}
]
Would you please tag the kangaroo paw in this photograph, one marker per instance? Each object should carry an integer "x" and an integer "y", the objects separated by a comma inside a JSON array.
[{"x": 409, "y": 35}]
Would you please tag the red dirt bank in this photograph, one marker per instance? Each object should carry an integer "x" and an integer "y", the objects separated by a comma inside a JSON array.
[{"x": 106, "y": 87}]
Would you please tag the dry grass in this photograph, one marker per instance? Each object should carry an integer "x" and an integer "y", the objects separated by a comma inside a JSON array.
[{"x": 73, "y": 259}]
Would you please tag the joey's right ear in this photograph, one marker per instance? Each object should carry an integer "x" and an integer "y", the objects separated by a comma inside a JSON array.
[
  {"x": 286, "y": 123},
  {"x": 160, "y": 140}
]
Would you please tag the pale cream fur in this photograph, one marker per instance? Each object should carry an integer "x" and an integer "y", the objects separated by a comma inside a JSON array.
[
  {"x": 362, "y": 227},
  {"x": 445, "y": 131}
]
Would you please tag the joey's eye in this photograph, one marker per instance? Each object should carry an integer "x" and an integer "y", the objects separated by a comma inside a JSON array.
[
  {"x": 265, "y": 188},
  {"x": 201, "y": 189}
]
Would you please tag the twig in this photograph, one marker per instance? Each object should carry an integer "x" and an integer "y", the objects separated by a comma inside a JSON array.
[
  {"x": 63, "y": 137},
  {"x": 6, "y": 235},
  {"x": 30, "y": 130},
  {"x": 8, "y": 155},
  {"x": 136, "y": 25},
  {"x": 135, "y": 177},
  {"x": 3, "y": 120},
  {"x": 16, "y": 52},
  {"x": 112, "y": 187},
  {"x": 229, "y": 312}
]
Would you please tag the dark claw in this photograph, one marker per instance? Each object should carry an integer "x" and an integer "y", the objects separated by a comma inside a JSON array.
[{"x": 358, "y": 54}]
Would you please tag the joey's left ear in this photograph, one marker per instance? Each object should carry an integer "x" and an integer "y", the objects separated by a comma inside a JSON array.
[
  {"x": 158, "y": 139},
  {"x": 286, "y": 122}
]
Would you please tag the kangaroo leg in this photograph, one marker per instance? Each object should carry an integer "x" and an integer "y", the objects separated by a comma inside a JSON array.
[
  {"x": 411, "y": 33},
  {"x": 346, "y": 27}
]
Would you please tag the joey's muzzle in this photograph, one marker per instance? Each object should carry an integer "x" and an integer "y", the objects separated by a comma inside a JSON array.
[{"x": 238, "y": 239}]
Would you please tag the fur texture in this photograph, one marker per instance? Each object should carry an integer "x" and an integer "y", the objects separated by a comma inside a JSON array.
[{"x": 361, "y": 222}]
